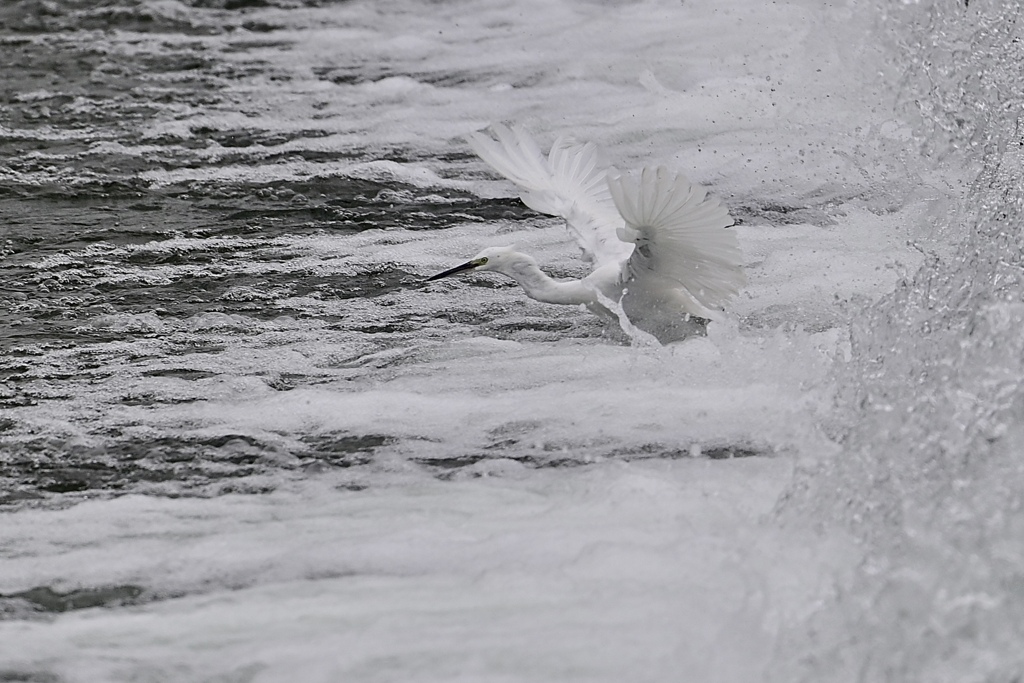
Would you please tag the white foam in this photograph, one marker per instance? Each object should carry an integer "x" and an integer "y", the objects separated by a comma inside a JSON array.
[
  {"x": 648, "y": 564},
  {"x": 447, "y": 578},
  {"x": 411, "y": 174}
]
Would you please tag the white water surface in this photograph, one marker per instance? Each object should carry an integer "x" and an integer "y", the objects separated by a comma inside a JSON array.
[{"x": 644, "y": 560}]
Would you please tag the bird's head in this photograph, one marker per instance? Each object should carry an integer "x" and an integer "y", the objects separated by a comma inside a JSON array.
[{"x": 498, "y": 259}]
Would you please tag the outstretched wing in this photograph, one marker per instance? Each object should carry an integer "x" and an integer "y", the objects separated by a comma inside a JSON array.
[
  {"x": 570, "y": 183},
  {"x": 681, "y": 237}
]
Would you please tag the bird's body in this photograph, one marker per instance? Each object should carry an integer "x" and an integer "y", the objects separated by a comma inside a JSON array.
[{"x": 659, "y": 247}]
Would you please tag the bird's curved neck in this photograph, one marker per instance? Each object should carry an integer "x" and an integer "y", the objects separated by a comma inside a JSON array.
[{"x": 538, "y": 285}]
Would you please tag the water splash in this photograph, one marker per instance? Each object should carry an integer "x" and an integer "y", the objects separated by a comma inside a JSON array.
[{"x": 931, "y": 475}]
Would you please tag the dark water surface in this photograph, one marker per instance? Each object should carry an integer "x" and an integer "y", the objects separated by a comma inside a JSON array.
[
  {"x": 213, "y": 222},
  {"x": 109, "y": 262}
]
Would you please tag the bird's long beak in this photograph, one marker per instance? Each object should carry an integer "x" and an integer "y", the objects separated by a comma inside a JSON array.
[{"x": 468, "y": 265}]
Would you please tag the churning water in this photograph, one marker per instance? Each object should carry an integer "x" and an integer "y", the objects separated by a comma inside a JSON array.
[
  {"x": 931, "y": 476},
  {"x": 240, "y": 441}
]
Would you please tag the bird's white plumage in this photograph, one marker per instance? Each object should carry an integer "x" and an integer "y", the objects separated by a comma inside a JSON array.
[
  {"x": 660, "y": 248},
  {"x": 570, "y": 183},
  {"x": 680, "y": 236}
]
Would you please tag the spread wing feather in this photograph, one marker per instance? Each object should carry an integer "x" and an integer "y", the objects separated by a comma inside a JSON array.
[
  {"x": 680, "y": 234},
  {"x": 570, "y": 183}
]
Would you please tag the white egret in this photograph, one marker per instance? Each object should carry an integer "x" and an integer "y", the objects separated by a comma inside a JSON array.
[{"x": 660, "y": 248}]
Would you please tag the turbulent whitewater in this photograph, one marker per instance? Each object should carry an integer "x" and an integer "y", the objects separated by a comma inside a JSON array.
[{"x": 239, "y": 441}]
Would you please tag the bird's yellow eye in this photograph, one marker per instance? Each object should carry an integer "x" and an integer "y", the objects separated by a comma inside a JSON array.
[{"x": 481, "y": 261}]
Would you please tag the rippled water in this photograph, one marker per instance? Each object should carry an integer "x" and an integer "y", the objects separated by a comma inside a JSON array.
[
  {"x": 241, "y": 440},
  {"x": 159, "y": 210}
]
